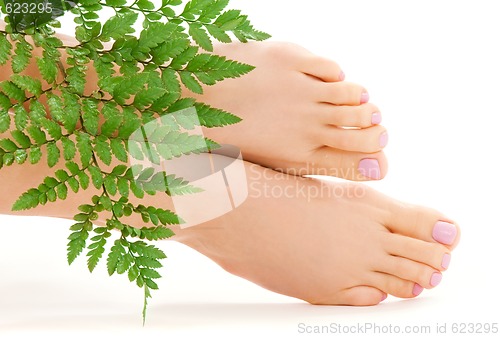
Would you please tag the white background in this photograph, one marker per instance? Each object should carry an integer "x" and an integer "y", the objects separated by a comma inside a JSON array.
[{"x": 433, "y": 67}]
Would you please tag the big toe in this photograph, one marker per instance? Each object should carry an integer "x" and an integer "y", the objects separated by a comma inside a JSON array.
[
  {"x": 321, "y": 68},
  {"x": 422, "y": 223}
]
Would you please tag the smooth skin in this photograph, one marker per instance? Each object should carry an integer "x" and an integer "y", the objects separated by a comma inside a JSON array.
[
  {"x": 327, "y": 243},
  {"x": 335, "y": 243},
  {"x": 299, "y": 116},
  {"x": 322, "y": 242}
]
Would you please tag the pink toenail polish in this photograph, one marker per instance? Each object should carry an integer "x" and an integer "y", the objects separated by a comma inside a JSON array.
[
  {"x": 384, "y": 296},
  {"x": 341, "y": 76},
  {"x": 436, "y": 279},
  {"x": 370, "y": 168},
  {"x": 446, "y": 261},
  {"x": 444, "y": 232},
  {"x": 365, "y": 97},
  {"x": 376, "y": 118},
  {"x": 384, "y": 138},
  {"x": 417, "y": 289}
]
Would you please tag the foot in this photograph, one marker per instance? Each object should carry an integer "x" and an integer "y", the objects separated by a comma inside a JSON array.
[
  {"x": 338, "y": 244},
  {"x": 299, "y": 116}
]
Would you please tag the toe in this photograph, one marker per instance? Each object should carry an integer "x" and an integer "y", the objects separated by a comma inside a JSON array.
[
  {"x": 422, "y": 223},
  {"x": 361, "y": 296},
  {"x": 368, "y": 140},
  {"x": 409, "y": 270},
  {"x": 342, "y": 93},
  {"x": 321, "y": 68},
  {"x": 350, "y": 165},
  {"x": 361, "y": 116},
  {"x": 395, "y": 286},
  {"x": 432, "y": 254}
]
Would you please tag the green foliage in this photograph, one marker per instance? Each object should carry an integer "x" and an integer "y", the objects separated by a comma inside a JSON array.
[
  {"x": 5, "y": 49},
  {"x": 22, "y": 55},
  {"x": 27, "y": 83},
  {"x": 134, "y": 111}
]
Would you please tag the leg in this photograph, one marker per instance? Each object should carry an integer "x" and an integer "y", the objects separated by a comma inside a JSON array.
[
  {"x": 298, "y": 115},
  {"x": 321, "y": 242}
]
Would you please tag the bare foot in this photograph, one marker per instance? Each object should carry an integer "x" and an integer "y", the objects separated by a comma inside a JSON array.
[
  {"x": 341, "y": 244},
  {"x": 299, "y": 116},
  {"x": 325, "y": 243}
]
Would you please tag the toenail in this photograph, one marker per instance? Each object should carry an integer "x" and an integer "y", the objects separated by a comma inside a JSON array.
[
  {"x": 383, "y": 139},
  {"x": 341, "y": 76},
  {"x": 384, "y": 296},
  {"x": 444, "y": 232},
  {"x": 436, "y": 279},
  {"x": 365, "y": 97},
  {"x": 446, "y": 261},
  {"x": 417, "y": 289},
  {"x": 369, "y": 168},
  {"x": 376, "y": 118}
]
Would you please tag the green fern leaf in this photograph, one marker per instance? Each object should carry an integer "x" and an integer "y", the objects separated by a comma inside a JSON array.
[
  {"x": 103, "y": 149},
  {"x": 13, "y": 91},
  {"x": 5, "y": 120},
  {"x": 21, "y": 139},
  {"x": 90, "y": 116},
  {"x": 62, "y": 191},
  {"x": 37, "y": 135},
  {"x": 187, "y": 55},
  {"x": 115, "y": 256},
  {"x": 37, "y": 112},
  {"x": 129, "y": 86},
  {"x": 84, "y": 146},
  {"x": 53, "y": 128},
  {"x": 211, "y": 117},
  {"x": 53, "y": 154},
  {"x": 123, "y": 187},
  {"x": 96, "y": 251},
  {"x": 119, "y": 150},
  {"x": 191, "y": 83},
  {"x": 118, "y": 26},
  {"x": 213, "y": 10},
  {"x": 5, "y": 48},
  {"x": 72, "y": 108},
  {"x": 200, "y": 36},
  {"x": 28, "y": 83},
  {"x": 35, "y": 155},
  {"x": 69, "y": 148},
  {"x": 8, "y": 145},
  {"x": 22, "y": 56},
  {"x": 146, "y": 97},
  {"x": 27, "y": 200},
  {"x": 156, "y": 34},
  {"x": 20, "y": 117},
  {"x": 110, "y": 186},
  {"x": 56, "y": 107},
  {"x": 48, "y": 69},
  {"x": 219, "y": 34},
  {"x": 178, "y": 186},
  {"x": 97, "y": 176},
  {"x": 20, "y": 156},
  {"x": 77, "y": 242},
  {"x": 131, "y": 123},
  {"x": 113, "y": 119},
  {"x": 84, "y": 180}
]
